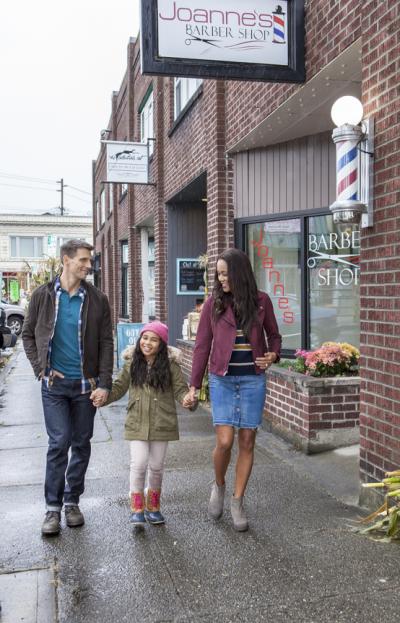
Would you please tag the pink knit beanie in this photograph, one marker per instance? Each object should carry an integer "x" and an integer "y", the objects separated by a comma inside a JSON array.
[{"x": 157, "y": 327}]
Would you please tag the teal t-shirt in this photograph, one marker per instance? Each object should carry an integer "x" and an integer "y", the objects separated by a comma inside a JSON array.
[{"x": 65, "y": 351}]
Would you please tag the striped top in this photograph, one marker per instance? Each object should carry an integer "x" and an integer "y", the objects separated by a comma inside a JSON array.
[{"x": 241, "y": 361}]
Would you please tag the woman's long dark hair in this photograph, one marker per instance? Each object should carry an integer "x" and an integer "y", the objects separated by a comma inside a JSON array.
[
  {"x": 158, "y": 375},
  {"x": 243, "y": 295}
]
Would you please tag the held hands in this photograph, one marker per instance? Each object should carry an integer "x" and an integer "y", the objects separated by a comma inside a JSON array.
[
  {"x": 190, "y": 401},
  {"x": 99, "y": 397},
  {"x": 265, "y": 362}
]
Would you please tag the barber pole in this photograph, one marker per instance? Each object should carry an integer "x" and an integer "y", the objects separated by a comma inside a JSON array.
[
  {"x": 347, "y": 139},
  {"x": 279, "y": 25}
]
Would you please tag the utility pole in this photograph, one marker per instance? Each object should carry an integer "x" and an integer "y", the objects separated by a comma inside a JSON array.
[{"x": 61, "y": 182}]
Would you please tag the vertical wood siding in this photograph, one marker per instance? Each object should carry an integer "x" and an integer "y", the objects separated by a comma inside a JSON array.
[{"x": 298, "y": 175}]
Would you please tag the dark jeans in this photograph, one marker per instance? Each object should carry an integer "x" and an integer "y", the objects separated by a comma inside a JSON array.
[{"x": 69, "y": 418}]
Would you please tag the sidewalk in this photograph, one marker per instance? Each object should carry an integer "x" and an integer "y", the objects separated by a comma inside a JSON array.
[{"x": 299, "y": 560}]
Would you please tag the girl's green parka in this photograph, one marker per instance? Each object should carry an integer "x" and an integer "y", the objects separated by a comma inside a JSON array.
[{"x": 151, "y": 414}]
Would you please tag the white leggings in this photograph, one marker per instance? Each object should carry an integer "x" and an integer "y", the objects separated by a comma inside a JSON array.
[{"x": 147, "y": 456}]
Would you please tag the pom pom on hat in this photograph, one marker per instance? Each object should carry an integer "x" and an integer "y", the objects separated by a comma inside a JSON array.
[{"x": 157, "y": 327}]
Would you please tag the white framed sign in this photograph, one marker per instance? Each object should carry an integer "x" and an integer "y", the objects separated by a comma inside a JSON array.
[
  {"x": 127, "y": 163},
  {"x": 231, "y": 39}
]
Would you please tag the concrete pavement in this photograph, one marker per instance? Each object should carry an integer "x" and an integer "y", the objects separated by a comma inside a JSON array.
[{"x": 299, "y": 559}]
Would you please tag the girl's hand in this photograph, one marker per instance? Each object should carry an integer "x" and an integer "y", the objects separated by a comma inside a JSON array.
[{"x": 265, "y": 362}]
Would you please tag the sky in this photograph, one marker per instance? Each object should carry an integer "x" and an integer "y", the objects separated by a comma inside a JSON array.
[{"x": 60, "y": 61}]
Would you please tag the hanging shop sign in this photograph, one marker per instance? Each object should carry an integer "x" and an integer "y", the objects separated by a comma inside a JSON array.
[
  {"x": 189, "y": 276},
  {"x": 231, "y": 39},
  {"x": 127, "y": 163}
]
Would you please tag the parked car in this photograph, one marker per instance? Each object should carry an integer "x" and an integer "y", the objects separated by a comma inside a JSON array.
[
  {"x": 15, "y": 315},
  {"x": 7, "y": 337}
]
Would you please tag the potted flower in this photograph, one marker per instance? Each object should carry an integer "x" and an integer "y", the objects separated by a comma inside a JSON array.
[{"x": 314, "y": 400}]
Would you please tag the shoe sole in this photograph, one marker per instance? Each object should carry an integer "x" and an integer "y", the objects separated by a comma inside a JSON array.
[
  {"x": 51, "y": 533},
  {"x": 75, "y": 525}
]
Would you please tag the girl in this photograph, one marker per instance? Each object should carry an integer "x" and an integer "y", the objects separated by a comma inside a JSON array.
[
  {"x": 155, "y": 380},
  {"x": 233, "y": 324}
]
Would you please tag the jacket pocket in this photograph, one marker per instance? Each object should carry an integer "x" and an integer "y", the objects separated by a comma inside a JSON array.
[
  {"x": 166, "y": 419},
  {"x": 134, "y": 415}
]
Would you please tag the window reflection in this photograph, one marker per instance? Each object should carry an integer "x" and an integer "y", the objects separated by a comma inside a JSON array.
[
  {"x": 274, "y": 251},
  {"x": 333, "y": 263}
]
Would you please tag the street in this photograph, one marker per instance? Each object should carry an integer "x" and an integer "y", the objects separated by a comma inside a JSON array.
[{"x": 299, "y": 561}]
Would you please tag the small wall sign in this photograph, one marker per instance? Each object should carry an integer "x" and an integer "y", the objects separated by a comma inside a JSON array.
[{"x": 189, "y": 276}]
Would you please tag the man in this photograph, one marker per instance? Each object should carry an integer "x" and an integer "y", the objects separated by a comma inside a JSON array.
[{"x": 67, "y": 337}]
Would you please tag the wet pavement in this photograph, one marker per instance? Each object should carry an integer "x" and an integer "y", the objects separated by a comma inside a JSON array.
[{"x": 299, "y": 559}]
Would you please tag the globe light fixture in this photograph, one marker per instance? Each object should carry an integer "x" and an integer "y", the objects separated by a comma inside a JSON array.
[
  {"x": 353, "y": 163},
  {"x": 347, "y": 110}
]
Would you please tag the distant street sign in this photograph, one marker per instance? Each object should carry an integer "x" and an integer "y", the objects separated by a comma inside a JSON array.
[{"x": 127, "y": 335}]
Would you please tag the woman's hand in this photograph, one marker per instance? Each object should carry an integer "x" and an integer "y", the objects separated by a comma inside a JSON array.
[
  {"x": 265, "y": 362},
  {"x": 190, "y": 399}
]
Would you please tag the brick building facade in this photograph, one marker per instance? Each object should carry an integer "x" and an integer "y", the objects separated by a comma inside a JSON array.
[{"x": 248, "y": 162}]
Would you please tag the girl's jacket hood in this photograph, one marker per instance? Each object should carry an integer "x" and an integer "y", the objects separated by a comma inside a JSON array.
[{"x": 174, "y": 354}]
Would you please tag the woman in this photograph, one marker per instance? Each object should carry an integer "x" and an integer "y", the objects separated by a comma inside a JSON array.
[{"x": 231, "y": 332}]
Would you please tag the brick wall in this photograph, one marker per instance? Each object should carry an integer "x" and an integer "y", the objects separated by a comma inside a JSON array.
[
  {"x": 224, "y": 113},
  {"x": 380, "y": 245},
  {"x": 315, "y": 414}
]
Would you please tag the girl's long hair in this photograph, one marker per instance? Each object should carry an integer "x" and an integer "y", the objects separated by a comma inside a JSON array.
[
  {"x": 158, "y": 375},
  {"x": 243, "y": 295}
]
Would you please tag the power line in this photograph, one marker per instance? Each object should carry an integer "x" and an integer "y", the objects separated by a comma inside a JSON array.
[
  {"x": 81, "y": 191},
  {"x": 26, "y": 178},
  {"x": 75, "y": 197},
  {"x": 52, "y": 190}
]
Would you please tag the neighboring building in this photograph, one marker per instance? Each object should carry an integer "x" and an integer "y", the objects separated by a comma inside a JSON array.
[
  {"x": 253, "y": 164},
  {"x": 28, "y": 241}
]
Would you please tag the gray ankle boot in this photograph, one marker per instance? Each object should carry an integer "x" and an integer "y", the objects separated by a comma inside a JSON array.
[
  {"x": 216, "y": 504},
  {"x": 238, "y": 514}
]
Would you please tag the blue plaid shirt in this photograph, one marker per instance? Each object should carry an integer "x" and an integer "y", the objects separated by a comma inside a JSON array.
[{"x": 86, "y": 384}]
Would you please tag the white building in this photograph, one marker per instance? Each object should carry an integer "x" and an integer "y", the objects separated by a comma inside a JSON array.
[{"x": 27, "y": 242}]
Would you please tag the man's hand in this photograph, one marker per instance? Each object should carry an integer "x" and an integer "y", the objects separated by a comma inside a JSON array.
[
  {"x": 99, "y": 397},
  {"x": 265, "y": 362}
]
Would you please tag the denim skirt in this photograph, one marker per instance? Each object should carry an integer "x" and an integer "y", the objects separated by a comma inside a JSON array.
[{"x": 237, "y": 400}]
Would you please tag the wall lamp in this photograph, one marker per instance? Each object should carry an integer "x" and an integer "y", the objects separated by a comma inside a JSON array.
[{"x": 354, "y": 163}]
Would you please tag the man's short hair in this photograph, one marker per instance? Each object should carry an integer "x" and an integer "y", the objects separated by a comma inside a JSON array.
[{"x": 71, "y": 247}]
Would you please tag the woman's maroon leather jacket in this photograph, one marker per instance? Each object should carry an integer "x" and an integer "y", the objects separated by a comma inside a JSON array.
[{"x": 215, "y": 338}]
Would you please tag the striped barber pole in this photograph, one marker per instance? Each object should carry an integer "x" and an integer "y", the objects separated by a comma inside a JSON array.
[
  {"x": 347, "y": 171},
  {"x": 279, "y": 34}
]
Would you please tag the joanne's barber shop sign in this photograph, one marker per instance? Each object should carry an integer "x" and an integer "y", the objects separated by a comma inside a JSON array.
[{"x": 230, "y": 39}]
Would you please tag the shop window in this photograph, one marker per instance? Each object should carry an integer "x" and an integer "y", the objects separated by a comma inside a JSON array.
[
  {"x": 151, "y": 277},
  {"x": 310, "y": 269},
  {"x": 26, "y": 246},
  {"x": 184, "y": 89},
  {"x": 333, "y": 277},
  {"x": 147, "y": 122},
  {"x": 123, "y": 189},
  {"x": 124, "y": 280},
  {"x": 102, "y": 207},
  {"x": 274, "y": 249},
  {"x": 110, "y": 199}
]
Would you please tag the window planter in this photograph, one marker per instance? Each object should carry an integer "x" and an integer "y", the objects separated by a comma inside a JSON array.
[{"x": 315, "y": 414}]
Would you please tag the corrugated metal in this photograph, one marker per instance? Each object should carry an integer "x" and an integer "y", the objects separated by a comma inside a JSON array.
[
  {"x": 187, "y": 237},
  {"x": 299, "y": 175}
]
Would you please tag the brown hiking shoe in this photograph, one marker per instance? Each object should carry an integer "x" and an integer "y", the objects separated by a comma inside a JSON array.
[
  {"x": 73, "y": 516},
  {"x": 51, "y": 524}
]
